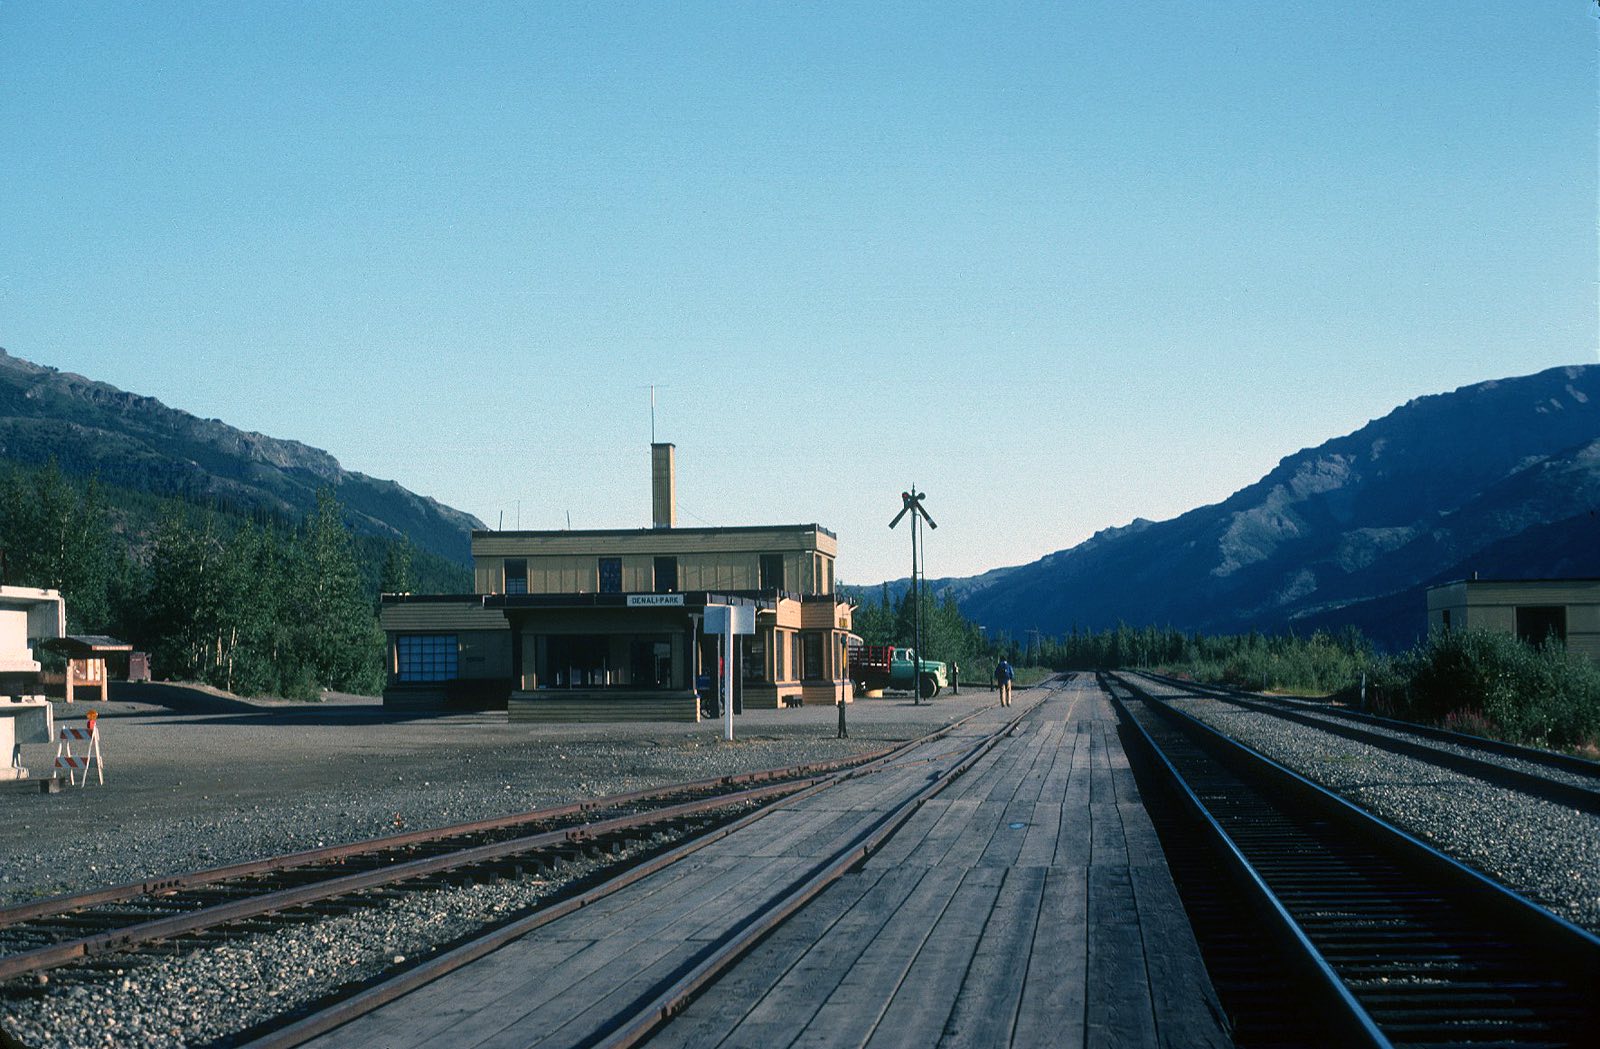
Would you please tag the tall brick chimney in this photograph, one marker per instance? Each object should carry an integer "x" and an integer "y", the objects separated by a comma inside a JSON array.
[{"x": 663, "y": 487}]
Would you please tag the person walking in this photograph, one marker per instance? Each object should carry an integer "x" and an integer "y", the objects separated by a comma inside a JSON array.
[{"x": 1003, "y": 674}]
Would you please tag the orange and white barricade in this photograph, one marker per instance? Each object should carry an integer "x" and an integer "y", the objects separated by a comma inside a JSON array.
[{"x": 74, "y": 763}]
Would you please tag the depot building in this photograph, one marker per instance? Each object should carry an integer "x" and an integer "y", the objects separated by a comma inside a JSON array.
[{"x": 605, "y": 625}]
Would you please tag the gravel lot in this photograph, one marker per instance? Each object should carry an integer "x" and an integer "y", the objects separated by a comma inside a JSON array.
[{"x": 200, "y": 780}]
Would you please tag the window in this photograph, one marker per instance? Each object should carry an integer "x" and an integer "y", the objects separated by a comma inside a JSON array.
[
  {"x": 666, "y": 575},
  {"x": 1536, "y": 624},
  {"x": 425, "y": 657},
  {"x": 597, "y": 661},
  {"x": 771, "y": 572},
  {"x": 611, "y": 575},
  {"x": 516, "y": 575},
  {"x": 755, "y": 657},
  {"x": 811, "y": 656},
  {"x": 575, "y": 661},
  {"x": 786, "y": 654},
  {"x": 650, "y": 663},
  {"x": 1446, "y": 620}
]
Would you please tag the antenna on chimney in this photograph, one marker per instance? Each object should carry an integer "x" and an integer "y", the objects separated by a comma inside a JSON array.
[{"x": 653, "y": 387}]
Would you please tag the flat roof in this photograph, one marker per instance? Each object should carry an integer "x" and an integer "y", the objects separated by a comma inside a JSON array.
[
  {"x": 607, "y": 532},
  {"x": 1520, "y": 582},
  {"x": 692, "y": 599},
  {"x": 81, "y": 645}
]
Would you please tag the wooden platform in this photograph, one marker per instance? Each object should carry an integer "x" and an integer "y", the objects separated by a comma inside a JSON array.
[{"x": 1028, "y": 904}]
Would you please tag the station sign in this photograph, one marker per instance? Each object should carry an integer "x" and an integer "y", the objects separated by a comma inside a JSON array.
[{"x": 655, "y": 600}]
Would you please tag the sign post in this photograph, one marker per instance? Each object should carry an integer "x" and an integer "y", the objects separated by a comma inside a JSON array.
[
  {"x": 844, "y": 680},
  {"x": 729, "y": 621}
]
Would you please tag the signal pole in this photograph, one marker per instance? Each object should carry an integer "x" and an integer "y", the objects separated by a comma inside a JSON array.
[{"x": 911, "y": 502}]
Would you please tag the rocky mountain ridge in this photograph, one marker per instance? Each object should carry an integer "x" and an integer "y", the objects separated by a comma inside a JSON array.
[
  {"x": 1333, "y": 532},
  {"x": 133, "y": 441}
]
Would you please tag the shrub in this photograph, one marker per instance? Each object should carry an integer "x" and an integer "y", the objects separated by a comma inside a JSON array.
[{"x": 1542, "y": 696}]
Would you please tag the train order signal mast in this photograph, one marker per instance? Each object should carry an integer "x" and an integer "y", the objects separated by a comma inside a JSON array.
[{"x": 911, "y": 503}]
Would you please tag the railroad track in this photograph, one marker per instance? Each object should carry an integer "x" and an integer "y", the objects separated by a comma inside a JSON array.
[
  {"x": 44, "y": 934},
  {"x": 1560, "y": 778},
  {"x": 617, "y": 840},
  {"x": 634, "y": 1020},
  {"x": 1389, "y": 942}
]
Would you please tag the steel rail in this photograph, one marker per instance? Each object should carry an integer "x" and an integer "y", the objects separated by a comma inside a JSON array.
[
  {"x": 55, "y": 905},
  {"x": 647, "y": 1016},
  {"x": 1533, "y": 755},
  {"x": 284, "y": 899},
  {"x": 1329, "y": 996},
  {"x": 1483, "y": 927},
  {"x": 1560, "y": 791},
  {"x": 636, "y": 1022}
]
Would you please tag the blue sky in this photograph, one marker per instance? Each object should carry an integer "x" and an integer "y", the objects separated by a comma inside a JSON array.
[{"x": 1059, "y": 264}]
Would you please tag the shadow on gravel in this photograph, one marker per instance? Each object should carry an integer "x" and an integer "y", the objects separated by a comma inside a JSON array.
[
  {"x": 190, "y": 700},
  {"x": 327, "y": 715}
]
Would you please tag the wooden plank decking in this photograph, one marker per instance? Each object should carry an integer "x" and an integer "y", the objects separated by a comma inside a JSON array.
[{"x": 1027, "y": 904}]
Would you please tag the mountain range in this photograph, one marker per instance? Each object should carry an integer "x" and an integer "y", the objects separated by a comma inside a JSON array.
[
  {"x": 1499, "y": 478},
  {"x": 138, "y": 443}
]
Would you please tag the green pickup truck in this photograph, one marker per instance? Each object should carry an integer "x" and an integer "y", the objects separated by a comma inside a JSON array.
[{"x": 874, "y": 668}]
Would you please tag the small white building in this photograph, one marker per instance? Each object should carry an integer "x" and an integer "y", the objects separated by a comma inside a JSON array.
[
  {"x": 27, "y": 617},
  {"x": 1532, "y": 609}
]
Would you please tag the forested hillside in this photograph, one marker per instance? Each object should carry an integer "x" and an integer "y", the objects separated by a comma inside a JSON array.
[
  {"x": 258, "y": 603},
  {"x": 137, "y": 444}
]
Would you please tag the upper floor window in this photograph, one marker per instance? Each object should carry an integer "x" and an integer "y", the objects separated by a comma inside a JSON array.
[
  {"x": 611, "y": 575},
  {"x": 771, "y": 572},
  {"x": 425, "y": 657},
  {"x": 666, "y": 575},
  {"x": 516, "y": 575}
]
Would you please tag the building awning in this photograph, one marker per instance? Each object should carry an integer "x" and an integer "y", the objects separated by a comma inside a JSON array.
[{"x": 85, "y": 646}]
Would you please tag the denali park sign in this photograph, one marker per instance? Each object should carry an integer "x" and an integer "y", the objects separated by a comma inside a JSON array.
[{"x": 642, "y": 600}]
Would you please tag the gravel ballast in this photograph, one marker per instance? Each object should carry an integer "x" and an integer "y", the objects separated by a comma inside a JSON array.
[
  {"x": 208, "y": 781},
  {"x": 1548, "y": 852}
]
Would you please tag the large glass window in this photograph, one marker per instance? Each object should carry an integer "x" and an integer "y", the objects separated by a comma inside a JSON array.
[
  {"x": 611, "y": 575},
  {"x": 516, "y": 575},
  {"x": 650, "y": 663},
  {"x": 771, "y": 572},
  {"x": 605, "y": 661},
  {"x": 425, "y": 657}
]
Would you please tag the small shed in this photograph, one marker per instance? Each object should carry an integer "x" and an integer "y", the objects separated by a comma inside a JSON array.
[
  {"x": 1533, "y": 609},
  {"x": 86, "y": 660}
]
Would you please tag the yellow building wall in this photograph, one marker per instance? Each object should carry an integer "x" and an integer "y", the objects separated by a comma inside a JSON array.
[{"x": 709, "y": 559}]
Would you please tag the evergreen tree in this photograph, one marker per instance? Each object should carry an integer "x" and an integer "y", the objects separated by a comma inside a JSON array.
[
  {"x": 335, "y": 638},
  {"x": 184, "y": 602},
  {"x": 396, "y": 578}
]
